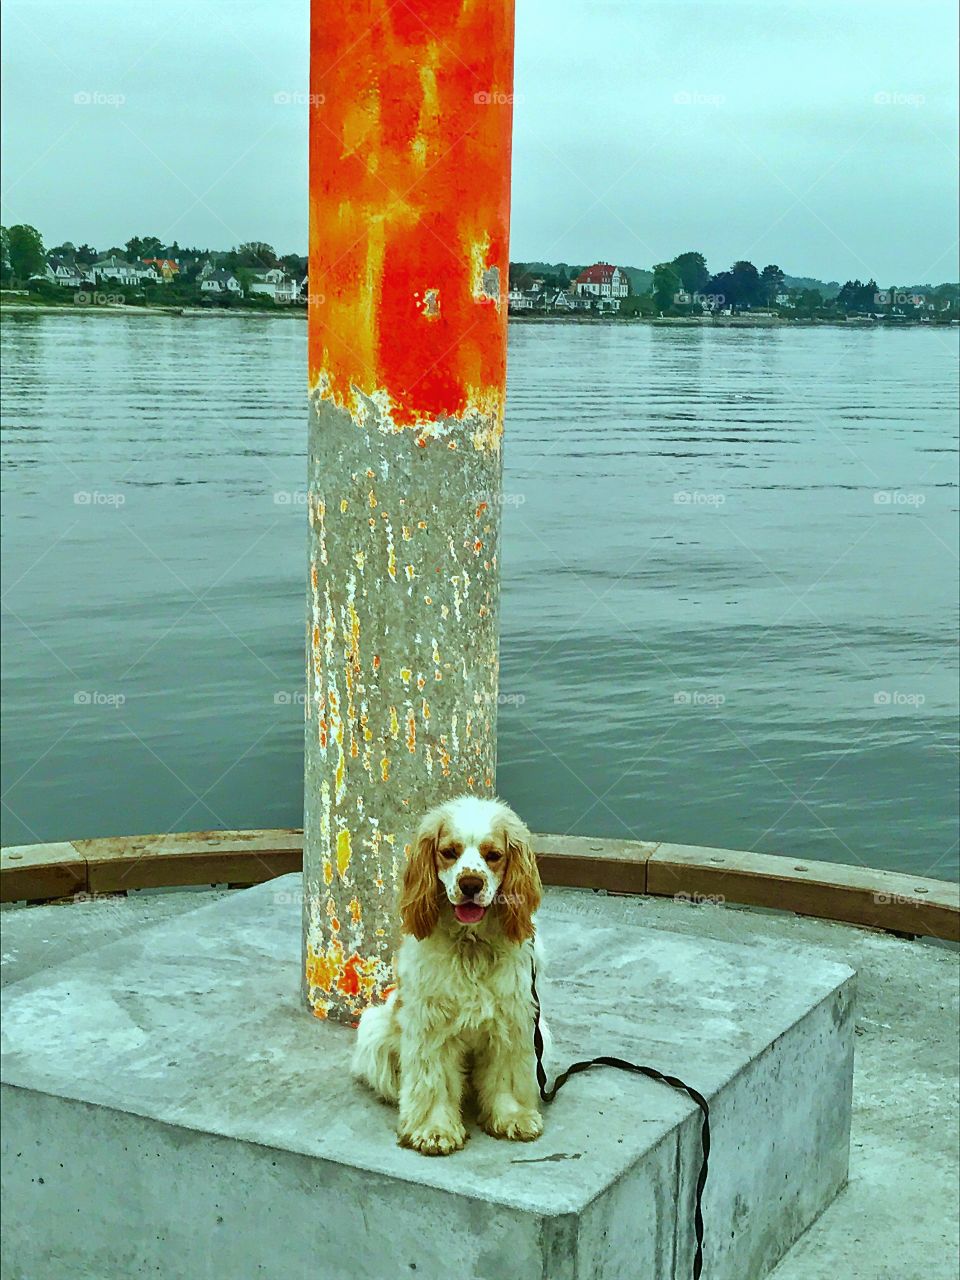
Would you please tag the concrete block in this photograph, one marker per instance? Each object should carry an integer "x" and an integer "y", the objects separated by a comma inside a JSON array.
[{"x": 170, "y": 1109}]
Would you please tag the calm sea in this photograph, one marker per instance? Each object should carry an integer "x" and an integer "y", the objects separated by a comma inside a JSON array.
[{"x": 730, "y": 583}]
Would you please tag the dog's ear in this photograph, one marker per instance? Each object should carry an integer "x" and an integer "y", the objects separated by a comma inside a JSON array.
[
  {"x": 419, "y": 908},
  {"x": 521, "y": 889}
]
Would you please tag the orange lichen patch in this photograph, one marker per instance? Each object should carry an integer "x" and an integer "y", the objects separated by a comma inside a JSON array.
[
  {"x": 394, "y": 723},
  {"x": 327, "y": 871},
  {"x": 327, "y": 971},
  {"x": 354, "y": 909},
  {"x": 481, "y": 509},
  {"x": 349, "y": 980},
  {"x": 409, "y": 186},
  {"x": 357, "y": 977},
  {"x": 426, "y": 709},
  {"x": 322, "y": 967},
  {"x": 385, "y": 768},
  {"x": 411, "y": 732},
  {"x": 344, "y": 852},
  {"x": 376, "y": 662},
  {"x": 315, "y": 583}
]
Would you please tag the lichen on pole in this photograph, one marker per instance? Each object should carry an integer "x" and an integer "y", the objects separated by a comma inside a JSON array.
[{"x": 410, "y": 130}]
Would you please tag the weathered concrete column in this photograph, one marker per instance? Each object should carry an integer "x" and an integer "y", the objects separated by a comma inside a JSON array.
[{"x": 410, "y": 128}]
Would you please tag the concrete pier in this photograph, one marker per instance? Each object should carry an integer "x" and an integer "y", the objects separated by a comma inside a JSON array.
[
  {"x": 411, "y": 110},
  {"x": 169, "y": 1110}
]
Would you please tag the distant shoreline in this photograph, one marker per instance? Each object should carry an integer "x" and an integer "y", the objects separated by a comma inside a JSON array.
[
  {"x": 745, "y": 321},
  {"x": 65, "y": 308}
]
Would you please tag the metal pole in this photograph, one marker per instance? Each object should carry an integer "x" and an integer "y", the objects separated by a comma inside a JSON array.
[{"x": 410, "y": 130}]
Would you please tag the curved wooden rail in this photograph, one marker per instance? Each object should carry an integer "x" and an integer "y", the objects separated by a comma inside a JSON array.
[{"x": 863, "y": 896}]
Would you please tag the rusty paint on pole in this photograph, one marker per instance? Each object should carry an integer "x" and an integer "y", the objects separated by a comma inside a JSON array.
[{"x": 410, "y": 129}]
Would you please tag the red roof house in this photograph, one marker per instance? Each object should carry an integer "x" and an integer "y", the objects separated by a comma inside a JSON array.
[{"x": 602, "y": 280}]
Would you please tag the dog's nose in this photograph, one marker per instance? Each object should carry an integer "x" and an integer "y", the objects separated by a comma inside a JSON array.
[{"x": 470, "y": 885}]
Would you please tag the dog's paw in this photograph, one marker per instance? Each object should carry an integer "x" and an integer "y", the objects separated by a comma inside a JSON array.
[
  {"x": 434, "y": 1139},
  {"x": 515, "y": 1126}
]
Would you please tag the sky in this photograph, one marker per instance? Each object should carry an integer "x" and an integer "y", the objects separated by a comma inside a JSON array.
[{"x": 817, "y": 135}]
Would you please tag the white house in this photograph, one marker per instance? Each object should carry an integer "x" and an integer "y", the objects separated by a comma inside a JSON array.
[
  {"x": 602, "y": 280},
  {"x": 66, "y": 273},
  {"x": 118, "y": 269},
  {"x": 517, "y": 300},
  {"x": 219, "y": 282},
  {"x": 561, "y": 300},
  {"x": 275, "y": 284}
]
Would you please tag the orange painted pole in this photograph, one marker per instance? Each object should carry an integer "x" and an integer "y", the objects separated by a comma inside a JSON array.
[{"x": 410, "y": 131}]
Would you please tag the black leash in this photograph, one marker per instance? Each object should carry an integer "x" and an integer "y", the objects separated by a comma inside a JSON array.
[{"x": 548, "y": 1095}]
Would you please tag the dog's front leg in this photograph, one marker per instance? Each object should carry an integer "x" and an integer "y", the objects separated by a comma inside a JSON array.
[
  {"x": 505, "y": 1080},
  {"x": 431, "y": 1091}
]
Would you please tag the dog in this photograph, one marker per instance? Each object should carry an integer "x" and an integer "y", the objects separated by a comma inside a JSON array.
[{"x": 462, "y": 1009}]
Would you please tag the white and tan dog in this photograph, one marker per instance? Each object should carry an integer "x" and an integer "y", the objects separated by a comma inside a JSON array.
[{"x": 463, "y": 1007}]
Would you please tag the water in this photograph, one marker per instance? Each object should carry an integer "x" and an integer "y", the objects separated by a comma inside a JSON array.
[{"x": 729, "y": 583}]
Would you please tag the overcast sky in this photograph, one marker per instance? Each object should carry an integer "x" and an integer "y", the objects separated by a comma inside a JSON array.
[{"x": 820, "y": 136}]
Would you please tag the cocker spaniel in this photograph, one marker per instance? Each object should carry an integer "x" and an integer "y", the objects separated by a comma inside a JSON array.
[{"x": 462, "y": 1009}]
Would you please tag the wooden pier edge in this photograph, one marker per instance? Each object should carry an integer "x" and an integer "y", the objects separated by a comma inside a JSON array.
[{"x": 866, "y": 896}]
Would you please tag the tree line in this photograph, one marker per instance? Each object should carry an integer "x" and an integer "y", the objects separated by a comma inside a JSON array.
[
  {"x": 23, "y": 255},
  {"x": 685, "y": 285}
]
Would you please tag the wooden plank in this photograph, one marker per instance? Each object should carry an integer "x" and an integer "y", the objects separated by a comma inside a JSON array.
[
  {"x": 584, "y": 862},
  {"x": 833, "y": 891},
  {"x": 196, "y": 857},
  {"x": 37, "y": 872}
]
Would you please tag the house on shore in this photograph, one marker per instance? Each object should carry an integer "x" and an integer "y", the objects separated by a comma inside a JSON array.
[
  {"x": 602, "y": 281},
  {"x": 217, "y": 280},
  {"x": 122, "y": 272},
  {"x": 275, "y": 284},
  {"x": 547, "y": 300},
  {"x": 167, "y": 269},
  {"x": 66, "y": 272}
]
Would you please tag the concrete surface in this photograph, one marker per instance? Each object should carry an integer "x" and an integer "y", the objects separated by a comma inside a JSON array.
[{"x": 168, "y": 1097}]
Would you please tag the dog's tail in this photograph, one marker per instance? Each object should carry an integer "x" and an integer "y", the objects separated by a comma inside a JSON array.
[{"x": 376, "y": 1056}]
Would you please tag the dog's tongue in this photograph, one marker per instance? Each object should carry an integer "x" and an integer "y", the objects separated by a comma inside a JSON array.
[{"x": 469, "y": 912}]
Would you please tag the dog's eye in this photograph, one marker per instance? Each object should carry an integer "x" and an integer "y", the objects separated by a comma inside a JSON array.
[
  {"x": 449, "y": 854},
  {"x": 491, "y": 859}
]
